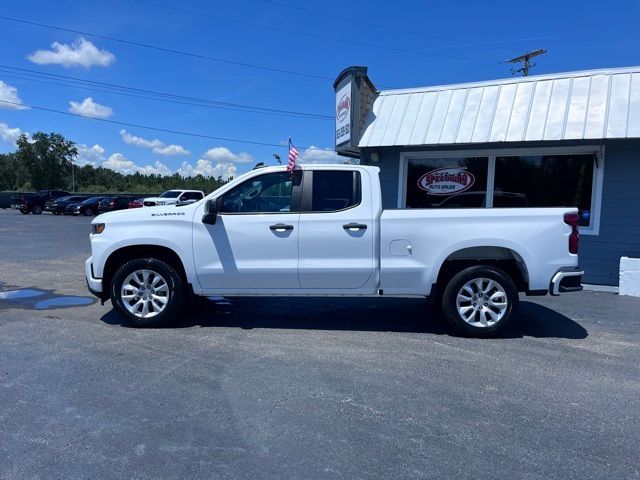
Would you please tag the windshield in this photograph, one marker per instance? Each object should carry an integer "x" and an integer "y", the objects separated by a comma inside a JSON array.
[
  {"x": 93, "y": 200},
  {"x": 171, "y": 194},
  {"x": 63, "y": 199}
]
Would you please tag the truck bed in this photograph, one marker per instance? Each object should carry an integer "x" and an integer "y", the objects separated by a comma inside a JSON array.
[{"x": 414, "y": 243}]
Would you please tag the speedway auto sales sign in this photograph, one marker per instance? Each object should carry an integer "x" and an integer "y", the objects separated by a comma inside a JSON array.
[
  {"x": 343, "y": 114},
  {"x": 446, "y": 181}
]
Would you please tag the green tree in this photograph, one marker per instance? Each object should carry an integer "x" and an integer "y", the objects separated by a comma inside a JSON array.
[
  {"x": 13, "y": 175},
  {"x": 47, "y": 159}
]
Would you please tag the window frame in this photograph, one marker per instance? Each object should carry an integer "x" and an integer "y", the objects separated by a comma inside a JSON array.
[
  {"x": 296, "y": 195},
  {"x": 307, "y": 191},
  {"x": 596, "y": 186}
]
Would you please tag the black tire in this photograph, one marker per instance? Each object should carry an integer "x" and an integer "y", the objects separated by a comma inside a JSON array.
[
  {"x": 36, "y": 210},
  {"x": 176, "y": 288},
  {"x": 57, "y": 213},
  {"x": 88, "y": 212},
  {"x": 25, "y": 211},
  {"x": 480, "y": 322}
]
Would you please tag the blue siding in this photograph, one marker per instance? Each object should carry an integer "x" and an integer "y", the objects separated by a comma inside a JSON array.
[
  {"x": 620, "y": 218},
  {"x": 620, "y": 211}
]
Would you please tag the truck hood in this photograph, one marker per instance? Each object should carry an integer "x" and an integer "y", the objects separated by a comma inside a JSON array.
[{"x": 145, "y": 214}]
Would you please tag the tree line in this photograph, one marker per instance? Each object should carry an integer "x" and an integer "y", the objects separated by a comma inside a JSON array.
[{"x": 44, "y": 162}]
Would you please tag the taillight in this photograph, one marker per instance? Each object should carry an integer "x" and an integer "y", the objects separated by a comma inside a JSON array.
[{"x": 572, "y": 220}]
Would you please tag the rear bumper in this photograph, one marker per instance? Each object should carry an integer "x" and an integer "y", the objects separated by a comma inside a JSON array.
[
  {"x": 568, "y": 279},
  {"x": 94, "y": 284}
]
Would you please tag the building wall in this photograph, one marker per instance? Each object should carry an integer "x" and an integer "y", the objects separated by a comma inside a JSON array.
[
  {"x": 620, "y": 211},
  {"x": 620, "y": 218}
]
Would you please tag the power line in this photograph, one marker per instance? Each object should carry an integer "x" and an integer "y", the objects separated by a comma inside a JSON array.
[
  {"x": 311, "y": 35},
  {"x": 75, "y": 82},
  {"x": 386, "y": 27},
  {"x": 166, "y": 50},
  {"x": 147, "y": 127}
]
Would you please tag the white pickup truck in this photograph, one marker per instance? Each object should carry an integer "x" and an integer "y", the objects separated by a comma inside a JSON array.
[{"x": 322, "y": 231}]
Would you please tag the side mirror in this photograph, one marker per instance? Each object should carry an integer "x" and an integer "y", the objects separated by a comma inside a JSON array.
[{"x": 211, "y": 209}]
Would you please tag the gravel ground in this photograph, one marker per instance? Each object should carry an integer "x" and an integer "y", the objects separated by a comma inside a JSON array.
[{"x": 303, "y": 388}]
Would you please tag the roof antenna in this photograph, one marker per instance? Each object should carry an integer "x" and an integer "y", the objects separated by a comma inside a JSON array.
[{"x": 526, "y": 62}]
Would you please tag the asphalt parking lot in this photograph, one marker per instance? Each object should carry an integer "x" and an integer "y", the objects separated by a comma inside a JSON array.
[{"x": 302, "y": 389}]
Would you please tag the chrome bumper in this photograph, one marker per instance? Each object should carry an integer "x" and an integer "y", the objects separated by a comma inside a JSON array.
[
  {"x": 94, "y": 284},
  {"x": 566, "y": 280}
]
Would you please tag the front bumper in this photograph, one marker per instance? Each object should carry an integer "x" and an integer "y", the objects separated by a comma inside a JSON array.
[
  {"x": 94, "y": 284},
  {"x": 568, "y": 279}
]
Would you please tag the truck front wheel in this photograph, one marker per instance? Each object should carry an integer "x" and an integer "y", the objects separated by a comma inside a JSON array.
[
  {"x": 479, "y": 301},
  {"x": 147, "y": 292}
]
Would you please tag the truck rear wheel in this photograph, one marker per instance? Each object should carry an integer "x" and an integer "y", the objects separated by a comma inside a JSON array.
[
  {"x": 147, "y": 292},
  {"x": 479, "y": 301},
  {"x": 36, "y": 210},
  {"x": 25, "y": 211}
]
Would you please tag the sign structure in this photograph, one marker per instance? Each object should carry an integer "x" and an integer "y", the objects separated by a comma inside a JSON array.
[
  {"x": 343, "y": 114},
  {"x": 446, "y": 181}
]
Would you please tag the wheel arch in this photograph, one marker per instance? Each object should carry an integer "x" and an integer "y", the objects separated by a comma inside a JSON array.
[
  {"x": 503, "y": 257},
  {"x": 124, "y": 254}
]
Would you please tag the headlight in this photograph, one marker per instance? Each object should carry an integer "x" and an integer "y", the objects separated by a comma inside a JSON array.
[{"x": 97, "y": 228}]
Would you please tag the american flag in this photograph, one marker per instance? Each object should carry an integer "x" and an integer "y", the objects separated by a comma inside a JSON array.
[{"x": 293, "y": 156}]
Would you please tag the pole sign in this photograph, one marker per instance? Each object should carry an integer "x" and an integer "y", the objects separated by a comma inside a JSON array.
[{"x": 343, "y": 114}]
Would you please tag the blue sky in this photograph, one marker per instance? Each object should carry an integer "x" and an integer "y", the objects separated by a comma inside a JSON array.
[{"x": 426, "y": 43}]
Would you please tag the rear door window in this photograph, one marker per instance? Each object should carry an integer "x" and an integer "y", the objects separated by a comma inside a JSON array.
[{"x": 335, "y": 190}]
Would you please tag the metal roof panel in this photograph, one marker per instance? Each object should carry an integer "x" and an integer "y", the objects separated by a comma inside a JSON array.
[{"x": 592, "y": 105}]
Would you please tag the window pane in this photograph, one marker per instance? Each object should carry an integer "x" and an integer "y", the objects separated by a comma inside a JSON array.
[
  {"x": 333, "y": 190},
  {"x": 545, "y": 181},
  {"x": 264, "y": 194},
  {"x": 446, "y": 182}
]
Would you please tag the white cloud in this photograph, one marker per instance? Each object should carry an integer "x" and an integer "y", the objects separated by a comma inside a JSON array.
[
  {"x": 9, "y": 134},
  {"x": 206, "y": 168},
  {"x": 157, "y": 169},
  {"x": 139, "y": 141},
  {"x": 9, "y": 94},
  {"x": 155, "y": 145},
  {"x": 223, "y": 154},
  {"x": 322, "y": 155},
  {"x": 119, "y": 163},
  {"x": 89, "y": 155},
  {"x": 81, "y": 53},
  {"x": 171, "y": 150},
  {"x": 89, "y": 108}
]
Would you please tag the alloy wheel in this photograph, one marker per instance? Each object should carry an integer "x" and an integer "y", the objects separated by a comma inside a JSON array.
[
  {"x": 482, "y": 302},
  {"x": 145, "y": 293}
]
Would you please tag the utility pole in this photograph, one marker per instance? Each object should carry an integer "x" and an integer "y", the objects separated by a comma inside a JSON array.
[{"x": 526, "y": 62}]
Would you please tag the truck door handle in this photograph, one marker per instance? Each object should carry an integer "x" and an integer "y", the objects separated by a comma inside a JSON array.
[
  {"x": 353, "y": 227},
  {"x": 280, "y": 227}
]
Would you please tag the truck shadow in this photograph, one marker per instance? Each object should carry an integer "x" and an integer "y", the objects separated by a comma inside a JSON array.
[{"x": 360, "y": 314}]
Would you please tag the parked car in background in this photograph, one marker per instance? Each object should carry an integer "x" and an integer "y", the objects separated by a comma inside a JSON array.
[
  {"x": 34, "y": 202},
  {"x": 58, "y": 205},
  {"x": 111, "y": 204},
  {"x": 175, "y": 197},
  {"x": 88, "y": 207},
  {"x": 137, "y": 203}
]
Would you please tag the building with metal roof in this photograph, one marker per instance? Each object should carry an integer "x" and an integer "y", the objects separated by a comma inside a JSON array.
[{"x": 567, "y": 139}]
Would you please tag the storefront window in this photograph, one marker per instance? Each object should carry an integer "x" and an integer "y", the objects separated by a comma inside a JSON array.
[
  {"x": 545, "y": 181},
  {"x": 446, "y": 182}
]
